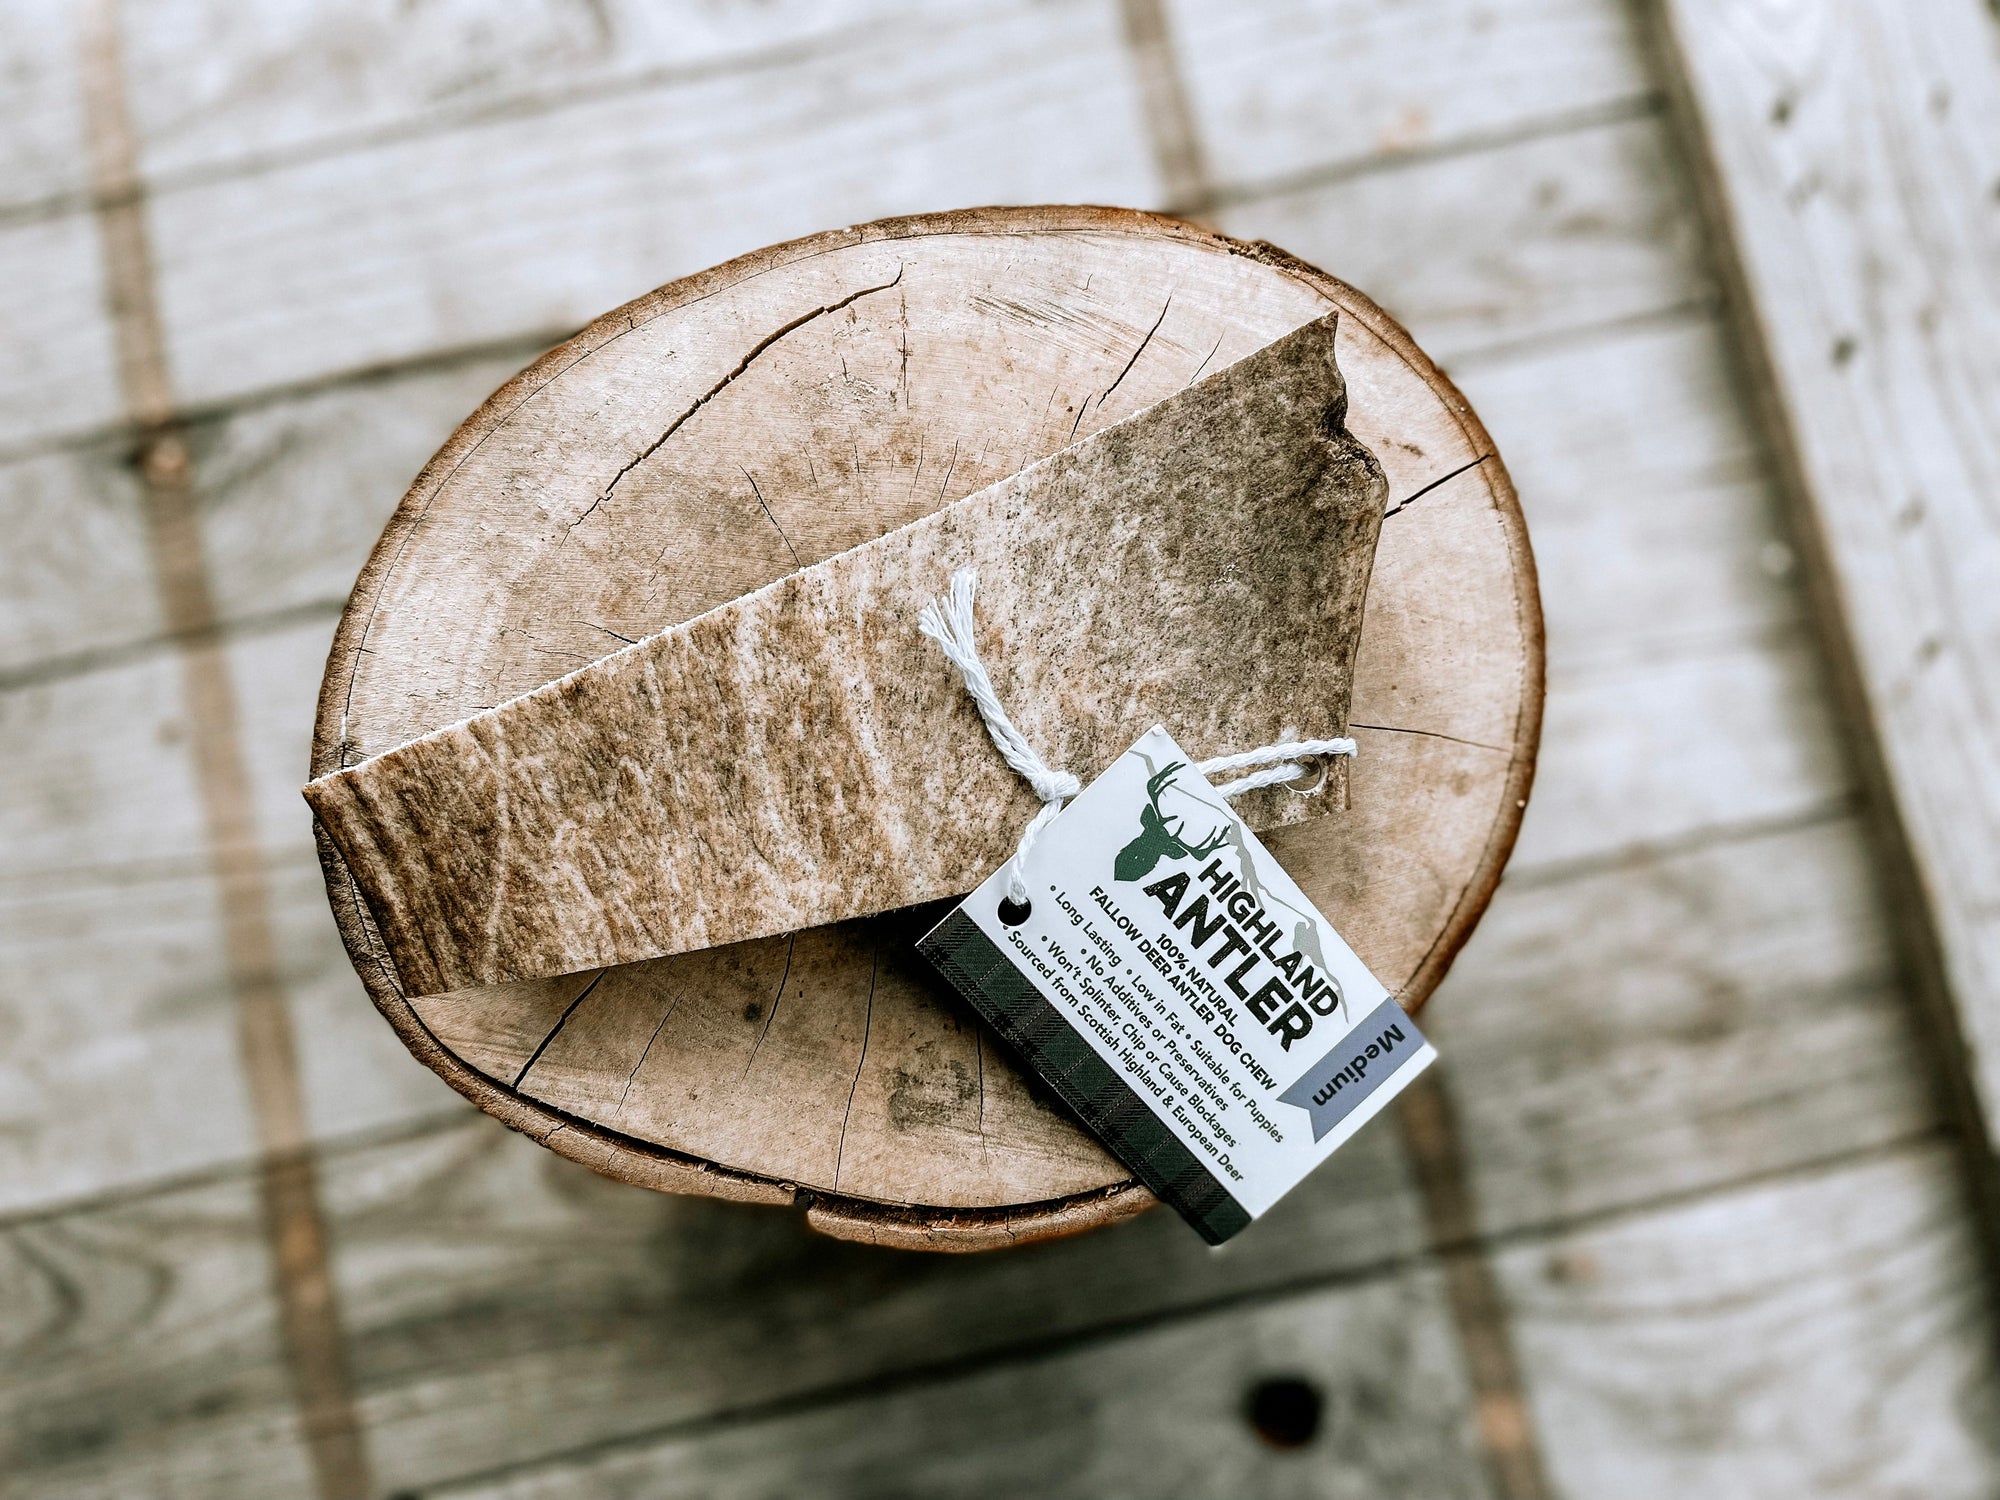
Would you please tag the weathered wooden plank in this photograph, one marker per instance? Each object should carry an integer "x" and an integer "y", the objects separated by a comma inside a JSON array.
[
  {"x": 1280, "y": 89},
  {"x": 260, "y": 88},
  {"x": 120, "y": 1062},
  {"x": 1655, "y": 521},
  {"x": 504, "y": 1304},
  {"x": 217, "y": 86},
  {"x": 99, "y": 780},
  {"x": 1659, "y": 750},
  {"x": 112, "y": 978},
  {"x": 97, "y": 772},
  {"x": 1164, "y": 1411},
  {"x": 1669, "y": 597},
  {"x": 1853, "y": 150},
  {"x": 1777, "y": 1340},
  {"x": 148, "y": 1329},
  {"x": 1823, "y": 1335},
  {"x": 295, "y": 1229},
  {"x": 1624, "y": 1035},
  {"x": 1519, "y": 241},
  {"x": 42, "y": 154},
  {"x": 58, "y": 376},
  {"x": 648, "y": 1309},
  {"x": 653, "y": 1295},
  {"x": 292, "y": 490},
  {"x": 437, "y": 200},
  {"x": 523, "y": 226},
  {"x": 75, "y": 577}
]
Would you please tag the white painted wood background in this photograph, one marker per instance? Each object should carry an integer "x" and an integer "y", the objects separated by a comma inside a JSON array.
[
  {"x": 1854, "y": 158},
  {"x": 1712, "y": 1172}
]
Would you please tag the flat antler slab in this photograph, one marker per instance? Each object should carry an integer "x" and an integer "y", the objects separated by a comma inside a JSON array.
[{"x": 803, "y": 755}]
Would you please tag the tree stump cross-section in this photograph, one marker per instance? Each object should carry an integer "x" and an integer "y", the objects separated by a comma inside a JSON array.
[{"x": 785, "y": 407}]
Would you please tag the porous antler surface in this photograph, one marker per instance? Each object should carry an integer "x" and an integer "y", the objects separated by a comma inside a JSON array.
[{"x": 803, "y": 755}]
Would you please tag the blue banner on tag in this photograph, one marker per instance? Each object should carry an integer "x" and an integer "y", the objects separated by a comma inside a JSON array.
[{"x": 1363, "y": 1060}]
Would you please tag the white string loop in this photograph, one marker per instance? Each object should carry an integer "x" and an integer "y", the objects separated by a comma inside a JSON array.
[
  {"x": 948, "y": 621},
  {"x": 1288, "y": 752}
]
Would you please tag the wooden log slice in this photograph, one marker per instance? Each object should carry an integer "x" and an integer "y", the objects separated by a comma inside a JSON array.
[{"x": 795, "y": 403}]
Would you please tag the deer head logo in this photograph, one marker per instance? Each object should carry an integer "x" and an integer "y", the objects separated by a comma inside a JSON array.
[{"x": 1158, "y": 841}]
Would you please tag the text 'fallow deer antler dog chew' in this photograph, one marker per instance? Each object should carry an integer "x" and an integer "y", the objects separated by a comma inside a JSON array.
[{"x": 803, "y": 755}]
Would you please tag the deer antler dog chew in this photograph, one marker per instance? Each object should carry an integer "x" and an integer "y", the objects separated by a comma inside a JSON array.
[{"x": 803, "y": 755}]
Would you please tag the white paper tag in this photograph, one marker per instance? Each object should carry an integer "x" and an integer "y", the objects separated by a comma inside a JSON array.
[{"x": 1172, "y": 983}]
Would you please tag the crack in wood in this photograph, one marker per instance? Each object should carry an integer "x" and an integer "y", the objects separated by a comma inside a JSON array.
[
  {"x": 723, "y": 384},
  {"x": 867, "y": 1025},
  {"x": 765, "y": 506},
  {"x": 979, "y": 1056},
  {"x": 1148, "y": 339},
  {"x": 633, "y": 1077},
  {"x": 903, "y": 344},
  {"x": 791, "y": 947},
  {"x": 1442, "y": 479},
  {"x": 1432, "y": 734},
  {"x": 1206, "y": 358},
  {"x": 561, "y": 1021},
  {"x": 949, "y": 469}
]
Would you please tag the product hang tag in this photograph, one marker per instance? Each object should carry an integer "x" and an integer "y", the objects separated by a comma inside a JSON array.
[{"x": 1174, "y": 985}]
